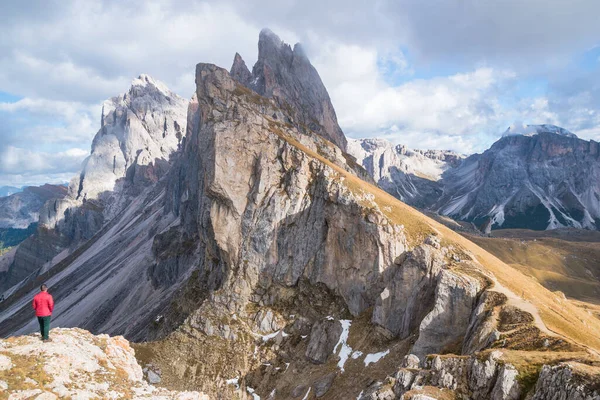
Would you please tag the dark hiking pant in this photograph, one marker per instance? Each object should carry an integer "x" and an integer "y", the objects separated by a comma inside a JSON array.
[{"x": 44, "y": 326}]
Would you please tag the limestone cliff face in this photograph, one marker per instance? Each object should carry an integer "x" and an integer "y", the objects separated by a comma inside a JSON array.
[
  {"x": 287, "y": 76},
  {"x": 271, "y": 213},
  {"x": 275, "y": 222},
  {"x": 568, "y": 381},
  {"x": 21, "y": 209},
  {"x": 413, "y": 176},
  {"x": 488, "y": 377},
  {"x": 139, "y": 131}
]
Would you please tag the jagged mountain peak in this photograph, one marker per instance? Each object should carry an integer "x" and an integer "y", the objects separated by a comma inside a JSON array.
[
  {"x": 147, "y": 88},
  {"x": 287, "y": 76},
  {"x": 266, "y": 35},
  {"x": 137, "y": 128},
  {"x": 535, "y": 177},
  {"x": 139, "y": 131},
  {"x": 411, "y": 175},
  {"x": 148, "y": 81},
  {"x": 531, "y": 130},
  {"x": 239, "y": 71}
]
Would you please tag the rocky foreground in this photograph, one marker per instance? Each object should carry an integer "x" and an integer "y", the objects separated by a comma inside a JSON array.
[
  {"x": 76, "y": 365},
  {"x": 79, "y": 365}
]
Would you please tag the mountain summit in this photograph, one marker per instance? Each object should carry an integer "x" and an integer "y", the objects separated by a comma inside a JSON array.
[
  {"x": 534, "y": 177},
  {"x": 287, "y": 76},
  {"x": 530, "y": 130}
]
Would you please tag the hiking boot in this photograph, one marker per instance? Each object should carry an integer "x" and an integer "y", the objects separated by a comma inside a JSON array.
[{"x": 46, "y": 340}]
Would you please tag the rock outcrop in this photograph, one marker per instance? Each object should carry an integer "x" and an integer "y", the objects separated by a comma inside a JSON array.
[
  {"x": 491, "y": 377},
  {"x": 323, "y": 339},
  {"x": 76, "y": 364},
  {"x": 568, "y": 381}
]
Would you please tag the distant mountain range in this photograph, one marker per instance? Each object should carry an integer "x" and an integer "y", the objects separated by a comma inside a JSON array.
[
  {"x": 22, "y": 208},
  {"x": 535, "y": 177}
]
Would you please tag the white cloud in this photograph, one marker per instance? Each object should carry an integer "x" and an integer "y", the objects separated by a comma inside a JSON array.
[
  {"x": 93, "y": 49},
  {"x": 65, "y": 58},
  {"x": 19, "y": 180},
  {"x": 42, "y": 122},
  {"x": 418, "y": 113},
  {"x": 15, "y": 160}
]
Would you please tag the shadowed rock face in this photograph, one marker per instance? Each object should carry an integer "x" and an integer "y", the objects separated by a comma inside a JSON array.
[
  {"x": 287, "y": 76},
  {"x": 267, "y": 210},
  {"x": 240, "y": 72}
]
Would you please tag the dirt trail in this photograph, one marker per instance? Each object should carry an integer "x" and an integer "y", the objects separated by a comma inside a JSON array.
[{"x": 524, "y": 305}]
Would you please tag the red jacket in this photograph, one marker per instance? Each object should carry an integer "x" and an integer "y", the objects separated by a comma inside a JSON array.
[{"x": 43, "y": 304}]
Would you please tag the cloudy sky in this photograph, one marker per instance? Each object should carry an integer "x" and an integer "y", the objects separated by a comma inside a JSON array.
[{"x": 446, "y": 74}]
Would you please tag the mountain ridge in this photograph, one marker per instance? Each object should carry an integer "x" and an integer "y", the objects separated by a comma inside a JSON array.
[{"x": 541, "y": 180}]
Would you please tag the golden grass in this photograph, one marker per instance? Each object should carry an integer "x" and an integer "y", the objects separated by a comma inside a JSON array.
[
  {"x": 556, "y": 264},
  {"x": 31, "y": 367},
  {"x": 559, "y": 315},
  {"x": 396, "y": 211}
]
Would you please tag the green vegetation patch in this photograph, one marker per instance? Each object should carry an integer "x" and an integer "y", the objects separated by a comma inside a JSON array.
[{"x": 10, "y": 237}]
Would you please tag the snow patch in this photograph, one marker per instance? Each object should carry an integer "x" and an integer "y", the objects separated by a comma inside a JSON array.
[
  {"x": 519, "y": 128},
  {"x": 233, "y": 381},
  {"x": 270, "y": 336},
  {"x": 306, "y": 395},
  {"x": 345, "y": 349},
  {"x": 252, "y": 393},
  {"x": 373, "y": 358}
]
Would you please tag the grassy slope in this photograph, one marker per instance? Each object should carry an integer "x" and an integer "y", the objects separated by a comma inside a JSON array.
[
  {"x": 572, "y": 267},
  {"x": 559, "y": 315}
]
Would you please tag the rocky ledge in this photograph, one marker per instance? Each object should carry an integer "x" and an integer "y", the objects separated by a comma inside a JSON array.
[{"x": 76, "y": 365}]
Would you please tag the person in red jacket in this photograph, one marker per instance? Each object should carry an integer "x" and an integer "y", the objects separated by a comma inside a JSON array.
[{"x": 43, "y": 304}]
